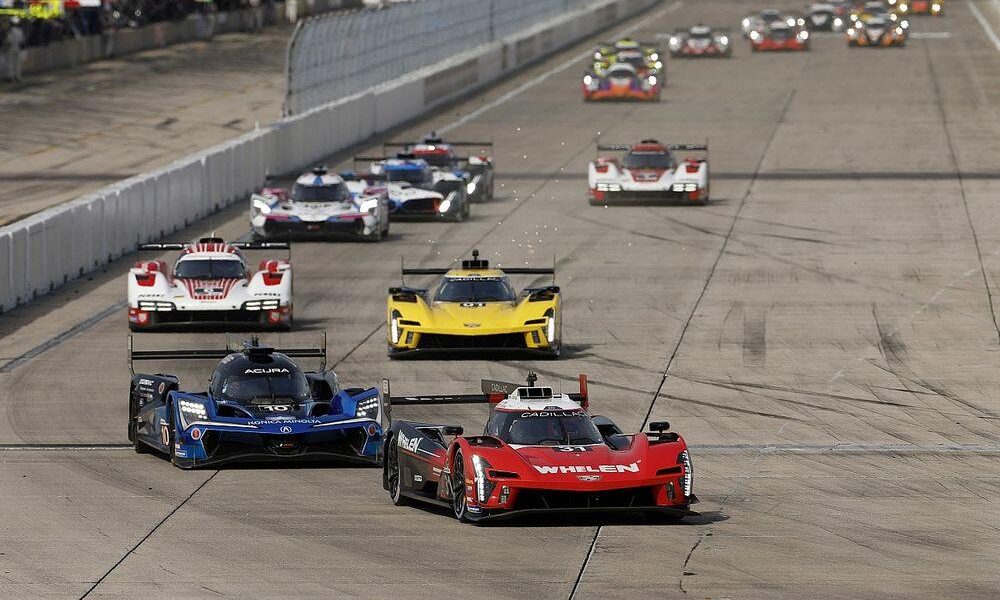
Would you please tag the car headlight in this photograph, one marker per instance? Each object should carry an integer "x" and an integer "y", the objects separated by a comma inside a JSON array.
[
  {"x": 369, "y": 205},
  {"x": 754, "y": 36},
  {"x": 790, "y": 21},
  {"x": 654, "y": 56},
  {"x": 394, "y": 326},
  {"x": 658, "y": 65},
  {"x": 484, "y": 486},
  {"x": 838, "y": 22},
  {"x": 367, "y": 409},
  {"x": 800, "y": 22},
  {"x": 803, "y": 35},
  {"x": 746, "y": 22},
  {"x": 445, "y": 206},
  {"x": 851, "y": 32},
  {"x": 260, "y": 206},
  {"x": 904, "y": 24},
  {"x": 470, "y": 188},
  {"x": 893, "y": 17},
  {"x": 904, "y": 7},
  {"x": 191, "y": 410},
  {"x": 724, "y": 40},
  {"x": 688, "y": 482},
  {"x": 550, "y": 329},
  {"x": 652, "y": 79},
  {"x": 587, "y": 79},
  {"x": 935, "y": 7}
]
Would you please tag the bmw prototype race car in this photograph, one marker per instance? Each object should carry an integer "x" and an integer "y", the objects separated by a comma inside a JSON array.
[
  {"x": 768, "y": 17},
  {"x": 476, "y": 169},
  {"x": 320, "y": 205},
  {"x": 475, "y": 308},
  {"x": 824, "y": 17},
  {"x": 648, "y": 170},
  {"x": 540, "y": 452},
  {"x": 621, "y": 81},
  {"x": 700, "y": 40},
  {"x": 415, "y": 189},
  {"x": 260, "y": 405},
  {"x": 876, "y": 31},
  {"x": 210, "y": 284},
  {"x": 779, "y": 36}
]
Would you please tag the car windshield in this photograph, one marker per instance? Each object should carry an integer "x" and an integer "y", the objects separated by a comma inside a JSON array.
[
  {"x": 209, "y": 269},
  {"x": 701, "y": 35},
  {"x": 547, "y": 428},
  {"x": 474, "y": 289},
  {"x": 648, "y": 160},
  {"x": 634, "y": 59},
  {"x": 415, "y": 176},
  {"x": 437, "y": 160},
  {"x": 336, "y": 192},
  {"x": 250, "y": 388},
  {"x": 621, "y": 71}
]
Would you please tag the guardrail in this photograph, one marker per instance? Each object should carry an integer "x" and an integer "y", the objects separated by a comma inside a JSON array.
[{"x": 54, "y": 246}]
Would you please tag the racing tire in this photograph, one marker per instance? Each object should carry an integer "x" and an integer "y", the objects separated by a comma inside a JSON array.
[
  {"x": 171, "y": 427},
  {"x": 458, "y": 504},
  {"x": 393, "y": 474},
  {"x": 133, "y": 431},
  {"x": 463, "y": 213}
]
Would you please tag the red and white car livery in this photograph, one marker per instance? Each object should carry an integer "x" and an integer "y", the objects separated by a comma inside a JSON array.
[
  {"x": 700, "y": 40},
  {"x": 779, "y": 36},
  {"x": 648, "y": 170},
  {"x": 540, "y": 452},
  {"x": 210, "y": 284}
]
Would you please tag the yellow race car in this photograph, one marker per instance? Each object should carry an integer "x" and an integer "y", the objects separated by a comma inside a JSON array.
[{"x": 474, "y": 308}]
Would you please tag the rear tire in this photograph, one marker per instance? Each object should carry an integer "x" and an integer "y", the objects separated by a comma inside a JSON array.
[
  {"x": 458, "y": 504},
  {"x": 133, "y": 431},
  {"x": 394, "y": 474}
]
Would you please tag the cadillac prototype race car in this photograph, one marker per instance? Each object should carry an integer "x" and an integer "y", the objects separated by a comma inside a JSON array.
[
  {"x": 621, "y": 81},
  {"x": 475, "y": 169},
  {"x": 260, "y": 405},
  {"x": 700, "y": 40},
  {"x": 649, "y": 170},
  {"x": 779, "y": 36},
  {"x": 540, "y": 452},
  {"x": 824, "y": 17},
  {"x": 876, "y": 31},
  {"x": 210, "y": 284},
  {"x": 475, "y": 308},
  {"x": 321, "y": 205},
  {"x": 415, "y": 189}
]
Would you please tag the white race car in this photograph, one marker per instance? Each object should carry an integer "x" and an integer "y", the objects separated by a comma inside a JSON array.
[
  {"x": 321, "y": 205},
  {"x": 416, "y": 190},
  {"x": 210, "y": 284},
  {"x": 768, "y": 17},
  {"x": 649, "y": 170}
]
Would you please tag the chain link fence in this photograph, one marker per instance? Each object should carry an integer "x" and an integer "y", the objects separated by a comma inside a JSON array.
[{"x": 334, "y": 56}]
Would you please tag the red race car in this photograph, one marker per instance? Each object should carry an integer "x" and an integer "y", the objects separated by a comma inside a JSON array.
[
  {"x": 779, "y": 36},
  {"x": 540, "y": 452}
]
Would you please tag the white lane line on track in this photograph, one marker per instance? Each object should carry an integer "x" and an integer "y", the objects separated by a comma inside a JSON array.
[
  {"x": 987, "y": 28},
  {"x": 931, "y": 35},
  {"x": 558, "y": 69},
  {"x": 847, "y": 448},
  {"x": 62, "y": 447},
  {"x": 62, "y": 337}
]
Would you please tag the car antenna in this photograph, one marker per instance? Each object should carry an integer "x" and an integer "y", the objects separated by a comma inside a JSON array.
[{"x": 532, "y": 378}]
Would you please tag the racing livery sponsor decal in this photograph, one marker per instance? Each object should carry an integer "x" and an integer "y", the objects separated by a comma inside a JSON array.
[
  {"x": 266, "y": 371},
  {"x": 563, "y": 469},
  {"x": 411, "y": 444}
]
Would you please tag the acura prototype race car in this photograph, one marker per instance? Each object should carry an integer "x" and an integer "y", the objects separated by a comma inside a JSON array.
[
  {"x": 779, "y": 36},
  {"x": 321, "y": 205},
  {"x": 475, "y": 308},
  {"x": 260, "y": 405},
  {"x": 620, "y": 81},
  {"x": 648, "y": 170},
  {"x": 700, "y": 40},
  {"x": 475, "y": 169},
  {"x": 540, "y": 452},
  {"x": 415, "y": 189},
  {"x": 210, "y": 284},
  {"x": 876, "y": 31}
]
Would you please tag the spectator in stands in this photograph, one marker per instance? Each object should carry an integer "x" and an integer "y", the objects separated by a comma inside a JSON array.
[{"x": 13, "y": 44}]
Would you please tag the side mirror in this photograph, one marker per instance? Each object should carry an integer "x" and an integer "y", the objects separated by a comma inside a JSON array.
[
  {"x": 659, "y": 426},
  {"x": 452, "y": 430}
]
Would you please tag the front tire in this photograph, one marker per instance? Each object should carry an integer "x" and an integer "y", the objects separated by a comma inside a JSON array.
[
  {"x": 393, "y": 474},
  {"x": 458, "y": 503}
]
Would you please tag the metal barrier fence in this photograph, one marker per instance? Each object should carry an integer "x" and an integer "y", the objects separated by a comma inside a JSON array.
[{"x": 335, "y": 56}]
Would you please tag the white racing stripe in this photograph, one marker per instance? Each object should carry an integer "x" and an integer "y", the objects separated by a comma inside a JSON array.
[
  {"x": 562, "y": 67},
  {"x": 985, "y": 24}
]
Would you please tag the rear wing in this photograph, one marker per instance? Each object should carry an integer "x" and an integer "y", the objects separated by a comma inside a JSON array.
[
  {"x": 672, "y": 147},
  {"x": 240, "y": 245},
  {"x": 476, "y": 263},
  {"x": 407, "y": 145},
  {"x": 492, "y": 392},
  {"x": 250, "y": 346}
]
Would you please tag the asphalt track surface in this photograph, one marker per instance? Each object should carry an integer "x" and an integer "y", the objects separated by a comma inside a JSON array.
[{"x": 823, "y": 333}]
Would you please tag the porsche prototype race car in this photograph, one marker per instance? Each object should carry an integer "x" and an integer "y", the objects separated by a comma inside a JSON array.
[
  {"x": 768, "y": 17},
  {"x": 779, "y": 36},
  {"x": 540, "y": 452},
  {"x": 210, "y": 284},
  {"x": 648, "y": 170},
  {"x": 621, "y": 81},
  {"x": 475, "y": 308},
  {"x": 321, "y": 205},
  {"x": 700, "y": 40},
  {"x": 824, "y": 17},
  {"x": 415, "y": 189},
  {"x": 260, "y": 405},
  {"x": 876, "y": 31},
  {"x": 476, "y": 169}
]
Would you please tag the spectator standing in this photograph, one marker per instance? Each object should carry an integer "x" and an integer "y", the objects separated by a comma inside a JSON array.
[
  {"x": 109, "y": 28},
  {"x": 256, "y": 15},
  {"x": 13, "y": 43}
]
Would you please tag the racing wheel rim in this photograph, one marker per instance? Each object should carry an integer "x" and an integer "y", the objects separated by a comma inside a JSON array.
[
  {"x": 392, "y": 473},
  {"x": 458, "y": 487}
]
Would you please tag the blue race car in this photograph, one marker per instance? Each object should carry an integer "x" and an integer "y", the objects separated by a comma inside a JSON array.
[
  {"x": 416, "y": 190},
  {"x": 260, "y": 405}
]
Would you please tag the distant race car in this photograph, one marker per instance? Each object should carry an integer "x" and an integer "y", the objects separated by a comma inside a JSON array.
[
  {"x": 700, "y": 40},
  {"x": 320, "y": 205},
  {"x": 476, "y": 169},
  {"x": 768, "y": 17},
  {"x": 917, "y": 7},
  {"x": 210, "y": 284},
  {"x": 540, "y": 453},
  {"x": 260, "y": 405},
  {"x": 648, "y": 170},
  {"x": 621, "y": 81},
  {"x": 779, "y": 36},
  {"x": 647, "y": 62},
  {"x": 415, "y": 189},
  {"x": 824, "y": 17},
  {"x": 876, "y": 31},
  {"x": 475, "y": 308},
  {"x": 876, "y": 8}
]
